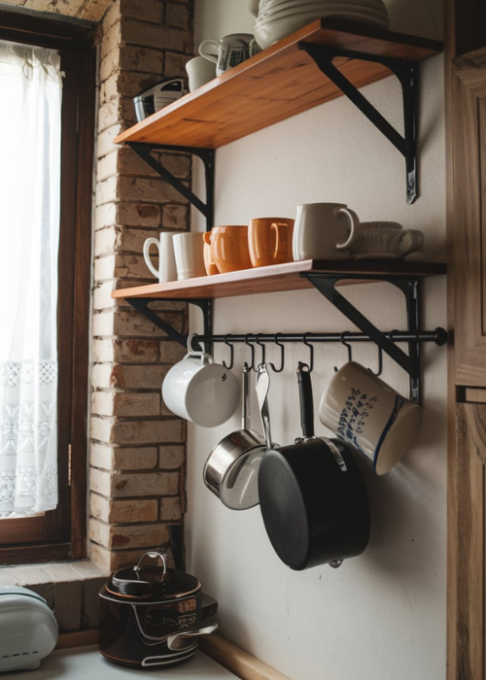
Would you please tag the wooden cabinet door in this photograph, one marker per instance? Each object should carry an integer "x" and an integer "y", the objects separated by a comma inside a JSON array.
[
  {"x": 466, "y": 550},
  {"x": 468, "y": 237}
]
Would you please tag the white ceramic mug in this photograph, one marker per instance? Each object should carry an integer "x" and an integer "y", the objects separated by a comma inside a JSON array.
[
  {"x": 367, "y": 413},
  {"x": 324, "y": 231},
  {"x": 199, "y": 72},
  {"x": 229, "y": 51},
  {"x": 201, "y": 391},
  {"x": 167, "y": 266},
  {"x": 386, "y": 240},
  {"x": 188, "y": 251}
]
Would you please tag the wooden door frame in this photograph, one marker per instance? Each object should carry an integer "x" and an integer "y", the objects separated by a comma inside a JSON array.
[{"x": 64, "y": 530}]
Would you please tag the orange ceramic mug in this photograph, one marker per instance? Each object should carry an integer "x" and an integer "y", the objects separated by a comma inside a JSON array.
[
  {"x": 270, "y": 240},
  {"x": 209, "y": 263},
  {"x": 229, "y": 248}
]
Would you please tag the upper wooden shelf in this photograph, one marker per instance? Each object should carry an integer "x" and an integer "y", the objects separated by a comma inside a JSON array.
[
  {"x": 275, "y": 84},
  {"x": 279, "y": 278}
]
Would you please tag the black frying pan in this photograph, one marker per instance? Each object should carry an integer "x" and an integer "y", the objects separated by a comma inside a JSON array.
[{"x": 312, "y": 495}]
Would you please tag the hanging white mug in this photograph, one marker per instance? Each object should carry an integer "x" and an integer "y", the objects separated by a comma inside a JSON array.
[
  {"x": 167, "y": 266},
  {"x": 324, "y": 231},
  {"x": 229, "y": 51}
]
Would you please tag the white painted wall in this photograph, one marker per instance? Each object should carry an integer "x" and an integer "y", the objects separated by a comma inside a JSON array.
[{"x": 381, "y": 616}]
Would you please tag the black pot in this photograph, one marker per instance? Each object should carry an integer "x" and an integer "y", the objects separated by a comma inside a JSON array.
[
  {"x": 151, "y": 615},
  {"x": 313, "y": 499}
]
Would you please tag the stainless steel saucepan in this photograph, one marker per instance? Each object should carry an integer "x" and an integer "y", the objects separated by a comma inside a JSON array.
[{"x": 231, "y": 470}]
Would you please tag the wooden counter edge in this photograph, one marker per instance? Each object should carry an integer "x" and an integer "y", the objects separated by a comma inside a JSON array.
[
  {"x": 236, "y": 660},
  {"x": 231, "y": 657},
  {"x": 79, "y": 638}
]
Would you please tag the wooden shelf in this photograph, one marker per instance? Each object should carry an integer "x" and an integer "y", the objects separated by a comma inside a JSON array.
[
  {"x": 275, "y": 84},
  {"x": 279, "y": 278}
]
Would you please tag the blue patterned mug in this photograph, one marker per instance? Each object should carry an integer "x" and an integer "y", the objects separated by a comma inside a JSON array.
[{"x": 367, "y": 413}]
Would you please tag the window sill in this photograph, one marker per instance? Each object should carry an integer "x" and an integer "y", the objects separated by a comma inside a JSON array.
[{"x": 69, "y": 588}]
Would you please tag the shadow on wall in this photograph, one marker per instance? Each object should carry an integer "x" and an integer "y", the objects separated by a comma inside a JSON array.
[
  {"x": 422, "y": 18},
  {"x": 400, "y": 502}
]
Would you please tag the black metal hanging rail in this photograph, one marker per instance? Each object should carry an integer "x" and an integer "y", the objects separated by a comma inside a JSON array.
[
  {"x": 438, "y": 336},
  {"x": 407, "y": 74}
]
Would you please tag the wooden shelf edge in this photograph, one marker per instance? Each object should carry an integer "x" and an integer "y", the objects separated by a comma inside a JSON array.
[{"x": 275, "y": 278}]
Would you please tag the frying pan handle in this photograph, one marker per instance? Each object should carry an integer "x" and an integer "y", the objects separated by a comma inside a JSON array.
[{"x": 306, "y": 400}]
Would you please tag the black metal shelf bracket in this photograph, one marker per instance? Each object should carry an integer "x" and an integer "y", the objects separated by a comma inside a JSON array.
[
  {"x": 206, "y": 306},
  {"x": 407, "y": 74},
  {"x": 410, "y": 287},
  {"x": 144, "y": 150}
]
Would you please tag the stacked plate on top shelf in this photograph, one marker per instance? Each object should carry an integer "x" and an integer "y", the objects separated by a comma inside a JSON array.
[{"x": 278, "y": 18}]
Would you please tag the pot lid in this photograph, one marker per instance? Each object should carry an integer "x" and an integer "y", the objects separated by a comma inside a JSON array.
[{"x": 152, "y": 580}]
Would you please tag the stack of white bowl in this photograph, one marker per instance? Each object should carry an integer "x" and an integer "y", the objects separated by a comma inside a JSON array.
[{"x": 278, "y": 18}]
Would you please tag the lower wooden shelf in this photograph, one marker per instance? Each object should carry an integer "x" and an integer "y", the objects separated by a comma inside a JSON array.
[{"x": 280, "y": 278}]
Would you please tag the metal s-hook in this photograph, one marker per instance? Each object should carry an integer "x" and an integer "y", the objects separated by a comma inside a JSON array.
[
  {"x": 282, "y": 355},
  {"x": 380, "y": 363},
  {"x": 311, "y": 352},
  {"x": 252, "y": 349},
  {"x": 232, "y": 355},
  {"x": 348, "y": 347},
  {"x": 264, "y": 349}
]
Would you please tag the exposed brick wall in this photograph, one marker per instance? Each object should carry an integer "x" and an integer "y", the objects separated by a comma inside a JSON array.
[{"x": 137, "y": 450}]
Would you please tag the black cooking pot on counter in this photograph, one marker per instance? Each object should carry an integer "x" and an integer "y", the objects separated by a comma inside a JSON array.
[{"x": 151, "y": 615}]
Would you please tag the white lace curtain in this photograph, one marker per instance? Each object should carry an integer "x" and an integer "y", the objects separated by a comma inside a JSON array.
[{"x": 30, "y": 128}]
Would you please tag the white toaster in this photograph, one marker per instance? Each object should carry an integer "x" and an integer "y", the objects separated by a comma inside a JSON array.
[{"x": 28, "y": 629}]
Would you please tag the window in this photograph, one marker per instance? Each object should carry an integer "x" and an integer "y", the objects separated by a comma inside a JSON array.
[{"x": 60, "y": 533}]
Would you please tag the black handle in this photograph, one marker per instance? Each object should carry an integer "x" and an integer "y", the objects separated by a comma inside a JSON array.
[{"x": 306, "y": 400}]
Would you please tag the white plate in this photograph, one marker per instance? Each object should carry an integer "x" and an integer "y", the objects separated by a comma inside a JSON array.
[
  {"x": 274, "y": 31},
  {"x": 318, "y": 11},
  {"x": 268, "y": 8}
]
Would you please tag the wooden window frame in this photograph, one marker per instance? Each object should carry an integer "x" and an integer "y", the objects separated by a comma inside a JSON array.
[{"x": 61, "y": 534}]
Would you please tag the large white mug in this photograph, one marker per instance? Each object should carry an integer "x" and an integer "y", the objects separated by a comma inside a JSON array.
[
  {"x": 188, "y": 251},
  {"x": 167, "y": 266},
  {"x": 324, "y": 231},
  {"x": 199, "y": 72},
  {"x": 365, "y": 412},
  {"x": 229, "y": 51},
  {"x": 199, "y": 390}
]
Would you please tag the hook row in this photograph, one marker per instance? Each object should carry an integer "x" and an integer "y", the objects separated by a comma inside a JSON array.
[
  {"x": 257, "y": 342},
  {"x": 251, "y": 340}
]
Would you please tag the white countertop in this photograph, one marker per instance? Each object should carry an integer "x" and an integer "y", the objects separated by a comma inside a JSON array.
[{"x": 82, "y": 663}]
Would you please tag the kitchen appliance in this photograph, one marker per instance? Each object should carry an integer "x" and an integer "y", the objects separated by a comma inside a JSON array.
[
  {"x": 28, "y": 629},
  {"x": 151, "y": 615},
  {"x": 313, "y": 499},
  {"x": 156, "y": 97}
]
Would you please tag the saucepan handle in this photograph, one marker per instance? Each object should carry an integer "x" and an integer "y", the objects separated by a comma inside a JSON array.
[{"x": 306, "y": 400}]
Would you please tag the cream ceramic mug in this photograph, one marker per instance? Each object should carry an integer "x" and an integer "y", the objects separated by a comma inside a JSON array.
[
  {"x": 365, "y": 412},
  {"x": 229, "y": 51},
  {"x": 199, "y": 72},
  {"x": 188, "y": 251},
  {"x": 324, "y": 231},
  {"x": 167, "y": 267}
]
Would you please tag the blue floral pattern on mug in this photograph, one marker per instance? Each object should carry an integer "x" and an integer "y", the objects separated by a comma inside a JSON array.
[{"x": 353, "y": 417}]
